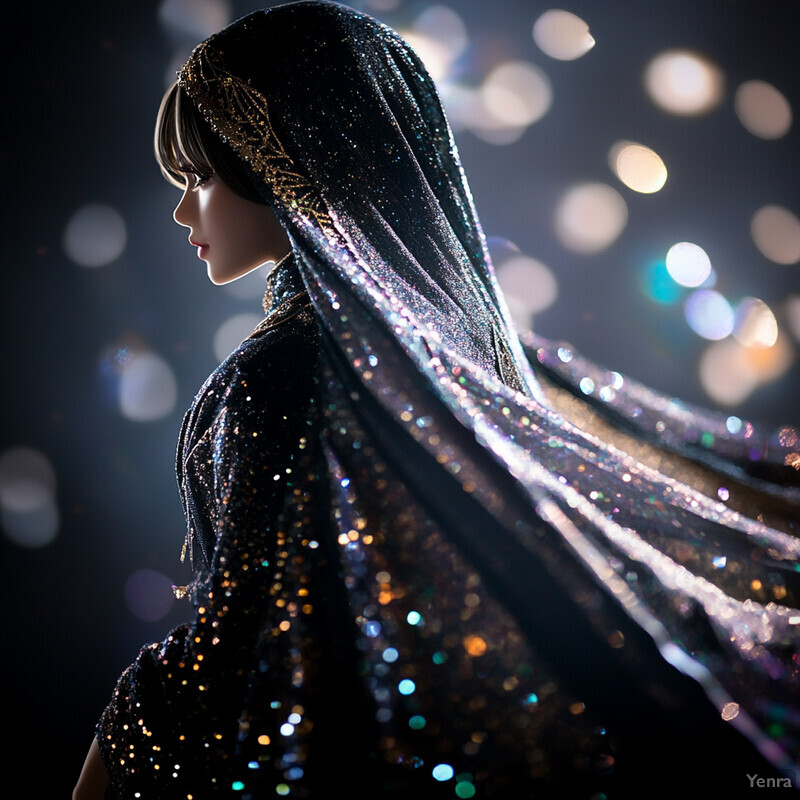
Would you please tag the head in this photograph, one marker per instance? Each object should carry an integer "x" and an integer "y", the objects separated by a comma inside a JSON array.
[
  {"x": 343, "y": 133},
  {"x": 232, "y": 225}
]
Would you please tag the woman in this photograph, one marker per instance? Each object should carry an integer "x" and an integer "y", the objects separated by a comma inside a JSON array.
[{"x": 423, "y": 560}]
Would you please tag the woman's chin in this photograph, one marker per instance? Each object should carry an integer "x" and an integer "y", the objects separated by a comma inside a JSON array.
[{"x": 220, "y": 277}]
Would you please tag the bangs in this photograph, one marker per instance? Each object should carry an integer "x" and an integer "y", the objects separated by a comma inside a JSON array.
[
  {"x": 179, "y": 142},
  {"x": 186, "y": 144}
]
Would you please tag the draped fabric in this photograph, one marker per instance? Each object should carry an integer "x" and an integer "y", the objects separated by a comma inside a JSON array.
[{"x": 429, "y": 556}]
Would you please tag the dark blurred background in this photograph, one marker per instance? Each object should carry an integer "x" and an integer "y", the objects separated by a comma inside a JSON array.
[{"x": 110, "y": 325}]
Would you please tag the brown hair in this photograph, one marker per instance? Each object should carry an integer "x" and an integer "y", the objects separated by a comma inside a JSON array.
[{"x": 186, "y": 144}]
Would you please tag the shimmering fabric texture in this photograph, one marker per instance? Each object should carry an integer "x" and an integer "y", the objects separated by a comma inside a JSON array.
[{"x": 432, "y": 559}]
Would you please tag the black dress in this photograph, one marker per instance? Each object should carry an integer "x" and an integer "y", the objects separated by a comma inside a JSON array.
[
  {"x": 431, "y": 559},
  {"x": 345, "y": 642},
  {"x": 271, "y": 685}
]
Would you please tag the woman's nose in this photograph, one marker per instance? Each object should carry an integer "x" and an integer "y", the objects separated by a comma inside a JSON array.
[{"x": 182, "y": 212}]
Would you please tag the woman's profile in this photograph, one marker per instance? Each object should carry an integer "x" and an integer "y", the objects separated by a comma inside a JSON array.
[{"x": 423, "y": 561}]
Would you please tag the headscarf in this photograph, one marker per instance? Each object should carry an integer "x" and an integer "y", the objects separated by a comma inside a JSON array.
[
  {"x": 595, "y": 517},
  {"x": 344, "y": 133}
]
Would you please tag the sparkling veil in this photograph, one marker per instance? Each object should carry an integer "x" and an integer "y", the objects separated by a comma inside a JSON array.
[{"x": 646, "y": 550}]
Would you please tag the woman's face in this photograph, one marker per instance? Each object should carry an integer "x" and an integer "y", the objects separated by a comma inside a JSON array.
[{"x": 233, "y": 235}]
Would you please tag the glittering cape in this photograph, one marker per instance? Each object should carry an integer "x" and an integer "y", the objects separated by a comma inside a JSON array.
[{"x": 466, "y": 563}]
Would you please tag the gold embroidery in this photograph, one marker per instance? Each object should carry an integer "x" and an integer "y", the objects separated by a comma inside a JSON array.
[
  {"x": 284, "y": 312},
  {"x": 239, "y": 114}
]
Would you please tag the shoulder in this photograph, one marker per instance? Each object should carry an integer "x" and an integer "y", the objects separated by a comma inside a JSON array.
[
  {"x": 274, "y": 360},
  {"x": 273, "y": 370}
]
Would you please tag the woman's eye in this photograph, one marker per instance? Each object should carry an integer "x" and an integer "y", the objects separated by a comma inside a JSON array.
[
  {"x": 200, "y": 179},
  {"x": 197, "y": 179}
]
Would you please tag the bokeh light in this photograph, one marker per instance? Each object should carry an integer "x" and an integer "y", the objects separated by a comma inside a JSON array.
[
  {"x": 517, "y": 93},
  {"x": 709, "y": 314},
  {"x": 460, "y": 103},
  {"x": 771, "y": 363},
  {"x": 194, "y": 19},
  {"x": 149, "y": 595},
  {"x": 443, "y": 772},
  {"x": 725, "y": 373},
  {"x": 562, "y": 35},
  {"x": 406, "y": 687},
  {"x": 639, "y": 167},
  {"x": 438, "y": 36},
  {"x": 513, "y": 96},
  {"x": 465, "y": 788},
  {"x": 444, "y": 26},
  {"x": 147, "y": 388},
  {"x": 529, "y": 287},
  {"x": 433, "y": 54},
  {"x": 763, "y": 110},
  {"x": 590, "y": 217},
  {"x": 688, "y": 264},
  {"x": 682, "y": 82},
  {"x": 658, "y": 284},
  {"x": 383, "y": 5},
  {"x": 95, "y": 235},
  {"x": 466, "y": 110},
  {"x": 792, "y": 313},
  {"x": 729, "y": 371},
  {"x": 756, "y": 325},
  {"x": 776, "y": 233},
  {"x": 28, "y": 511},
  {"x": 233, "y": 332},
  {"x": 35, "y": 528}
]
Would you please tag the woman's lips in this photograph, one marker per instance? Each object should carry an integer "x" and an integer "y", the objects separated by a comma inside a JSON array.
[{"x": 201, "y": 248}]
